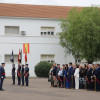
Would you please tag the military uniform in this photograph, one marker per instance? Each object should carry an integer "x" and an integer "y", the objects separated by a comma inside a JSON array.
[
  {"x": 27, "y": 75},
  {"x": 19, "y": 75},
  {"x": 13, "y": 74},
  {"x": 22, "y": 73},
  {"x": 2, "y": 76}
]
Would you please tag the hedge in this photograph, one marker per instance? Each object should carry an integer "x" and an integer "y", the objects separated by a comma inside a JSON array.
[{"x": 42, "y": 69}]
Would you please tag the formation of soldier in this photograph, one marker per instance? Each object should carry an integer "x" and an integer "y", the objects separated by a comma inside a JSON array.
[
  {"x": 22, "y": 74},
  {"x": 76, "y": 76}
]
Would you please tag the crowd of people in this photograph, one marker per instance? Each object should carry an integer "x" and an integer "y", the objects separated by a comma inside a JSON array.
[
  {"x": 22, "y": 74},
  {"x": 75, "y": 76}
]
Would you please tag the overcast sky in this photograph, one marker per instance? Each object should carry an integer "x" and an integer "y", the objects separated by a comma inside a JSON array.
[{"x": 55, "y": 2}]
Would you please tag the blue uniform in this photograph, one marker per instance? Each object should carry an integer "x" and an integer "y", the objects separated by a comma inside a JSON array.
[
  {"x": 26, "y": 75},
  {"x": 19, "y": 75},
  {"x": 97, "y": 74},
  {"x": 2, "y": 76},
  {"x": 13, "y": 74},
  {"x": 22, "y": 71}
]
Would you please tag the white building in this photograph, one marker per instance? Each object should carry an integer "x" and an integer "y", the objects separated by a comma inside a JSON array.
[{"x": 34, "y": 24}]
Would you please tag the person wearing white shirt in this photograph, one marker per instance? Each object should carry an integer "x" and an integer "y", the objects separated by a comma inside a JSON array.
[{"x": 76, "y": 75}]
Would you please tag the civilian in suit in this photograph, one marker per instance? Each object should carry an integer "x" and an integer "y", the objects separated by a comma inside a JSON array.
[
  {"x": 89, "y": 74},
  {"x": 97, "y": 74},
  {"x": 81, "y": 77},
  {"x": 54, "y": 72}
]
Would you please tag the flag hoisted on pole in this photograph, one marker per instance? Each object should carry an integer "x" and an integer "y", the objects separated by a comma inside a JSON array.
[
  {"x": 12, "y": 57},
  {"x": 19, "y": 57},
  {"x": 26, "y": 50},
  {"x": 25, "y": 55}
]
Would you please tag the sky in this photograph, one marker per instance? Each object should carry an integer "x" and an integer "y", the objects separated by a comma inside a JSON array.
[{"x": 82, "y": 3}]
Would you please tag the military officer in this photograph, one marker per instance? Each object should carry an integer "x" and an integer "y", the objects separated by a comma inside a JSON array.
[
  {"x": 26, "y": 74},
  {"x": 2, "y": 76},
  {"x": 19, "y": 74},
  {"x": 13, "y": 73},
  {"x": 22, "y": 73}
]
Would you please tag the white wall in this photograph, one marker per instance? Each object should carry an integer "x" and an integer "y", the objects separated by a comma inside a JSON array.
[{"x": 38, "y": 44}]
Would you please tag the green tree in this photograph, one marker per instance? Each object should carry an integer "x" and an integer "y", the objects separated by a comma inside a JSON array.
[{"x": 81, "y": 33}]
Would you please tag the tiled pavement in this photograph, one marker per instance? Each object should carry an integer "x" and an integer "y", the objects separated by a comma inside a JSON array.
[{"x": 39, "y": 89}]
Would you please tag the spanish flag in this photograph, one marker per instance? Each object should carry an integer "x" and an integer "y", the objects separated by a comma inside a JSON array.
[{"x": 26, "y": 48}]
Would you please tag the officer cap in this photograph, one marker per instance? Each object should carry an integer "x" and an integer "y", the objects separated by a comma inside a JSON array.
[
  {"x": 26, "y": 64},
  {"x": 23, "y": 65}
]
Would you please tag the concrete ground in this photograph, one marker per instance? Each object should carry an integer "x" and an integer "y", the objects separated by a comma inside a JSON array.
[{"x": 39, "y": 89}]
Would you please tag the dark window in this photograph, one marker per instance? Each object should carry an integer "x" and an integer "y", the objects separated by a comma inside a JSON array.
[
  {"x": 44, "y": 33},
  {"x": 52, "y": 33},
  {"x": 41, "y": 33},
  {"x": 48, "y": 33}
]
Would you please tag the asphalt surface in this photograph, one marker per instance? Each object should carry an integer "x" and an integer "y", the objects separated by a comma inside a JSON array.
[{"x": 39, "y": 89}]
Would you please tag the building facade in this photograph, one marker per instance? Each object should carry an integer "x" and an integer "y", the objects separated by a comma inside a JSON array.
[{"x": 42, "y": 34}]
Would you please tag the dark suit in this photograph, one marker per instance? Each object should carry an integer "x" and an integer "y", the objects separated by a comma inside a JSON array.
[
  {"x": 97, "y": 74},
  {"x": 68, "y": 84},
  {"x": 2, "y": 76},
  {"x": 89, "y": 74},
  {"x": 54, "y": 71},
  {"x": 73, "y": 71}
]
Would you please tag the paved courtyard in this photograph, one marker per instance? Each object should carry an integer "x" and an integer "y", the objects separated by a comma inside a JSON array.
[{"x": 39, "y": 89}]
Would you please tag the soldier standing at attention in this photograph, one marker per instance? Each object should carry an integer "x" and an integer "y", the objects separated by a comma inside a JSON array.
[
  {"x": 13, "y": 73},
  {"x": 2, "y": 76},
  {"x": 26, "y": 74},
  {"x": 19, "y": 74},
  {"x": 22, "y": 72}
]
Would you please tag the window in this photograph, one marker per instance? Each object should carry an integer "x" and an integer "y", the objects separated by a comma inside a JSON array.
[
  {"x": 48, "y": 31},
  {"x": 11, "y": 30},
  {"x": 7, "y": 58},
  {"x": 49, "y": 58}
]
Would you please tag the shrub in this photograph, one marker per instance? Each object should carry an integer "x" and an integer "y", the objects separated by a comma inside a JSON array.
[{"x": 42, "y": 69}]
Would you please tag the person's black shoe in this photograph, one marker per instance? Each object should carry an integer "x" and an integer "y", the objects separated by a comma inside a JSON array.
[{"x": 2, "y": 90}]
